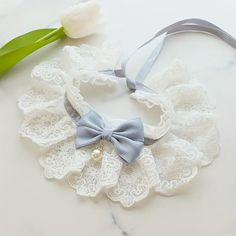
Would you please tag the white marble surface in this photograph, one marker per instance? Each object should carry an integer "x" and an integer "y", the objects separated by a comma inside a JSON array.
[{"x": 31, "y": 205}]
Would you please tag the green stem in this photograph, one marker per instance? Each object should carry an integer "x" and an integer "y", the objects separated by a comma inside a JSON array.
[
  {"x": 11, "y": 57},
  {"x": 53, "y": 33}
]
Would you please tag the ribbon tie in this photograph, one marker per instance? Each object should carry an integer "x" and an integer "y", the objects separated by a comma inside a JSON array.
[
  {"x": 183, "y": 26},
  {"x": 128, "y": 138}
]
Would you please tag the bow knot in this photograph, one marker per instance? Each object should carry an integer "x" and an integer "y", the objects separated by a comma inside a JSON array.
[
  {"x": 128, "y": 138},
  {"x": 132, "y": 84},
  {"x": 107, "y": 133}
]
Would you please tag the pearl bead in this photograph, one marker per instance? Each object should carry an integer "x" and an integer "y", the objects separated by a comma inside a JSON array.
[{"x": 97, "y": 154}]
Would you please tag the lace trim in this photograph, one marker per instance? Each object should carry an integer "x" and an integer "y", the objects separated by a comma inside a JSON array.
[
  {"x": 47, "y": 127},
  {"x": 151, "y": 101}
]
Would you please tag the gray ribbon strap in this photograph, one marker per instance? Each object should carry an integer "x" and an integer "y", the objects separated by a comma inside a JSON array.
[
  {"x": 183, "y": 26},
  {"x": 75, "y": 116},
  {"x": 128, "y": 138}
]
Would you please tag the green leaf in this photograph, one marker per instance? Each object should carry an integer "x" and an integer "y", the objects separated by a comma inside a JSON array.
[
  {"x": 24, "y": 40},
  {"x": 9, "y": 59}
]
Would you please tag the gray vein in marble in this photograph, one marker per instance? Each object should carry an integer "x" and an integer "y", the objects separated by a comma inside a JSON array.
[
  {"x": 117, "y": 224},
  {"x": 228, "y": 65}
]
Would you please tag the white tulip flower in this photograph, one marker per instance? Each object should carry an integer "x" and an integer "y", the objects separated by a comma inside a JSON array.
[
  {"x": 82, "y": 19},
  {"x": 78, "y": 21}
]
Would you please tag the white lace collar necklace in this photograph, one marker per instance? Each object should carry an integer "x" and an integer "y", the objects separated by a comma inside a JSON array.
[{"x": 187, "y": 127}]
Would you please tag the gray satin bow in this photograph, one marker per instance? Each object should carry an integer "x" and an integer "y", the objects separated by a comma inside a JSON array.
[{"x": 128, "y": 138}]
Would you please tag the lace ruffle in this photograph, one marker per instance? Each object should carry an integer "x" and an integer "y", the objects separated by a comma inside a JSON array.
[{"x": 187, "y": 127}]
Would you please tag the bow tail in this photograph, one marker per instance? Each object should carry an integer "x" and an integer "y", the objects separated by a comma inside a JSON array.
[{"x": 127, "y": 149}]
